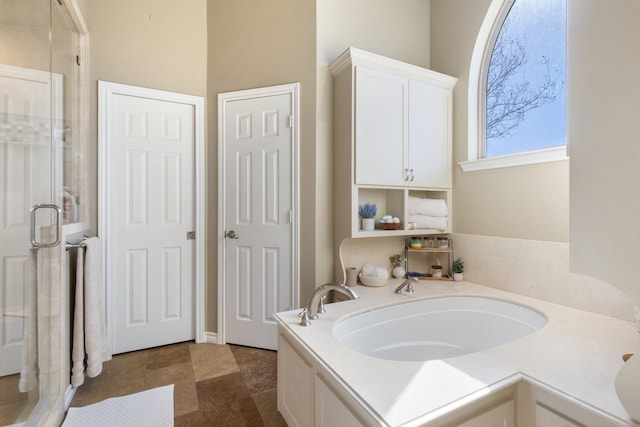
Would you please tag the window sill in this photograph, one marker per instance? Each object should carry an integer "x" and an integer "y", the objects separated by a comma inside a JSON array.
[{"x": 546, "y": 155}]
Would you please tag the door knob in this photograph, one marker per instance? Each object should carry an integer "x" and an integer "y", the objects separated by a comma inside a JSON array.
[{"x": 231, "y": 234}]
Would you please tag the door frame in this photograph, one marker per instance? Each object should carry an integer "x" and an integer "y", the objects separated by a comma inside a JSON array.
[
  {"x": 292, "y": 89},
  {"x": 106, "y": 93}
]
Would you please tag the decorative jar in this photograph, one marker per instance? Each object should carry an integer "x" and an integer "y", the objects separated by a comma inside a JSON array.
[
  {"x": 398, "y": 272},
  {"x": 436, "y": 271}
]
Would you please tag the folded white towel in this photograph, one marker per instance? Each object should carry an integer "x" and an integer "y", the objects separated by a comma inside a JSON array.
[
  {"x": 430, "y": 222},
  {"x": 427, "y": 207}
]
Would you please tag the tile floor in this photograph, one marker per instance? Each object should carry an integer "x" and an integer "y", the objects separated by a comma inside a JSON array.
[
  {"x": 14, "y": 405},
  {"x": 214, "y": 385}
]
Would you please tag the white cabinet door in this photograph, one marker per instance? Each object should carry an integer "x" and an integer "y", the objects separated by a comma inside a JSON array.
[
  {"x": 501, "y": 416},
  {"x": 429, "y": 150},
  {"x": 402, "y": 131},
  {"x": 295, "y": 386},
  {"x": 547, "y": 418},
  {"x": 330, "y": 411},
  {"x": 381, "y": 127}
]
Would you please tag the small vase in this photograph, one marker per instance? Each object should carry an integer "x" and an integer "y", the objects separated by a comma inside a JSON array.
[
  {"x": 368, "y": 224},
  {"x": 457, "y": 277},
  {"x": 398, "y": 272}
]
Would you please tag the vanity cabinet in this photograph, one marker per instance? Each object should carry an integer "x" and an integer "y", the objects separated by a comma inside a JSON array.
[
  {"x": 308, "y": 398},
  {"x": 330, "y": 410},
  {"x": 392, "y": 136},
  {"x": 295, "y": 386},
  {"x": 547, "y": 418},
  {"x": 542, "y": 406},
  {"x": 311, "y": 394},
  {"x": 500, "y": 416}
]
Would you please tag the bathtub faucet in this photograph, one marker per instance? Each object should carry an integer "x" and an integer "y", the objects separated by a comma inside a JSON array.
[
  {"x": 313, "y": 306},
  {"x": 406, "y": 284}
]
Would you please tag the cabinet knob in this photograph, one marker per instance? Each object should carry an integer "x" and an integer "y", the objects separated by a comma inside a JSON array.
[
  {"x": 411, "y": 174},
  {"x": 406, "y": 174}
]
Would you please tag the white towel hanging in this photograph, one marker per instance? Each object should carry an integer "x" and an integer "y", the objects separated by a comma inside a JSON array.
[{"x": 90, "y": 345}]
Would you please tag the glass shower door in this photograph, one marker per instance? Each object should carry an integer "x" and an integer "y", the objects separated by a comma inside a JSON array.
[{"x": 30, "y": 110}]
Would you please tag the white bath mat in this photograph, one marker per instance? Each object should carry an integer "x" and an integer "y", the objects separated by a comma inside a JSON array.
[{"x": 152, "y": 408}]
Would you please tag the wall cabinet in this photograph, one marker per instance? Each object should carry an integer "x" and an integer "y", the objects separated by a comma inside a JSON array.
[
  {"x": 380, "y": 128},
  {"x": 392, "y": 137},
  {"x": 402, "y": 130}
]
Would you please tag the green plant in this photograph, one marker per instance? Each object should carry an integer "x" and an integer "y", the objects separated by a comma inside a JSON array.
[
  {"x": 458, "y": 266},
  {"x": 396, "y": 260},
  {"x": 368, "y": 210}
]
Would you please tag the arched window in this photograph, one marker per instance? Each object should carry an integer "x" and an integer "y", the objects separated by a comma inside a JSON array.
[{"x": 517, "y": 90}]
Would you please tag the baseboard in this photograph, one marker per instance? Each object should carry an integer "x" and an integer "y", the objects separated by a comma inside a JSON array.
[
  {"x": 211, "y": 337},
  {"x": 68, "y": 396}
]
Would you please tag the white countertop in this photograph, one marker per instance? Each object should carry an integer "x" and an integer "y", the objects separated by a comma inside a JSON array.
[{"x": 577, "y": 353}]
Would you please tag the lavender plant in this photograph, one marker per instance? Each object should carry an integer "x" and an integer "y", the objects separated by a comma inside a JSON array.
[{"x": 368, "y": 210}]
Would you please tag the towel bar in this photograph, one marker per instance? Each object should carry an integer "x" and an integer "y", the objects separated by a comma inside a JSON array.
[{"x": 69, "y": 245}]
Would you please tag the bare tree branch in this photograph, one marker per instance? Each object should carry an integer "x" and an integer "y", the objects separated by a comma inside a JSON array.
[{"x": 509, "y": 93}]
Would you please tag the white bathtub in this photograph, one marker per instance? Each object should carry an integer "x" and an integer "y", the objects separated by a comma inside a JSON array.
[{"x": 437, "y": 328}]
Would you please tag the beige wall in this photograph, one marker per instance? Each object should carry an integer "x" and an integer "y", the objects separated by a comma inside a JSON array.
[
  {"x": 254, "y": 44},
  {"x": 604, "y": 39},
  {"x": 398, "y": 29},
  {"x": 82, "y": 4},
  {"x": 528, "y": 202},
  {"x": 159, "y": 44},
  {"x": 24, "y": 34}
]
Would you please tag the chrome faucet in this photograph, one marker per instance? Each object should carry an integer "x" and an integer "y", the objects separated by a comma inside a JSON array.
[
  {"x": 406, "y": 284},
  {"x": 315, "y": 305}
]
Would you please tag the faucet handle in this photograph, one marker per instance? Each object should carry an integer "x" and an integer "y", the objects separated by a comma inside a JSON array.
[
  {"x": 304, "y": 321},
  {"x": 410, "y": 287}
]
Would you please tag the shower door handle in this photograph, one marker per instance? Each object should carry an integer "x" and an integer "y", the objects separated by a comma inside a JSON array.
[{"x": 34, "y": 241}]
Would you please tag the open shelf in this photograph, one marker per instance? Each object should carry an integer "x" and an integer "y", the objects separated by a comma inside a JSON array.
[
  {"x": 393, "y": 201},
  {"x": 424, "y": 257}
]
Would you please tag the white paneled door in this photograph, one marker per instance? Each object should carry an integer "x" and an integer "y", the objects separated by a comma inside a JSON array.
[
  {"x": 258, "y": 214},
  {"x": 152, "y": 213}
]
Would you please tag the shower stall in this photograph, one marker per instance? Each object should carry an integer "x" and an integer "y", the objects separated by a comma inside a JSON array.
[{"x": 43, "y": 132}]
